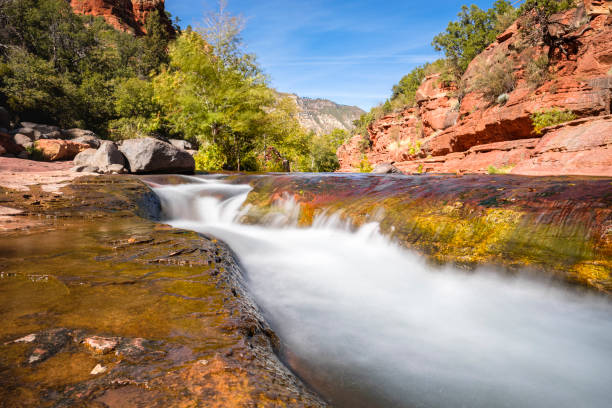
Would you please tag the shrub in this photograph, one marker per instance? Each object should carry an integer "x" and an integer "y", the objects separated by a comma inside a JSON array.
[
  {"x": 35, "y": 153},
  {"x": 209, "y": 158},
  {"x": 473, "y": 31},
  {"x": 132, "y": 128},
  {"x": 405, "y": 91},
  {"x": 364, "y": 165},
  {"x": 550, "y": 117},
  {"x": 537, "y": 71},
  {"x": 502, "y": 170},
  {"x": 534, "y": 29},
  {"x": 495, "y": 80}
]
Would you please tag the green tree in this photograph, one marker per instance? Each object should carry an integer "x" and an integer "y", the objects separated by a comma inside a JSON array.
[{"x": 474, "y": 30}]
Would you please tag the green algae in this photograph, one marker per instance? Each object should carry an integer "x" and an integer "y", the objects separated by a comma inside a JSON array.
[
  {"x": 85, "y": 264},
  {"x": 554, "y": 225}
]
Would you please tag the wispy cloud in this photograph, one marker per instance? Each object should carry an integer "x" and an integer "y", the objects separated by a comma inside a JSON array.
[{"x": 349, "y": 51}]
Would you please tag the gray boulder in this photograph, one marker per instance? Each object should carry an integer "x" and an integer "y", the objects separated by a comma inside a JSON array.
[
  {"x": 76, "y": 132},
  {"x": 33, "y": 134},
  {"x": 149, "y": 155},
  {"x": 107, "y": 154},
  {"x": 181, "y": 144},
  {"x": 5, "y": 118},
  {"x": 82, "y": 136},
  {"x": 43, "y": 129},
  {"x": 23, "y": 140},
  {"x": 84, "y": 158},
  {"x": 386, "y": 168},
  {"x": 92, "y": 141},
  {"x": 56, "y": 134}
]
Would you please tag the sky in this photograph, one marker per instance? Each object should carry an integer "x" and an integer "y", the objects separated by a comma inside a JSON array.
[{"x": 351, "y": 52}]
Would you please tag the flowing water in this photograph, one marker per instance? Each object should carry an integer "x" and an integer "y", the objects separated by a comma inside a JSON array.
[{"x": 368, "y": 323}]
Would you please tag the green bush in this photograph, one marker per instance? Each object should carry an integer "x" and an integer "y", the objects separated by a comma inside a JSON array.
[
  {"x": 35, "y": 153},
  {"x": 537, "y": 71},
  {"x": 364, "y": 165},
  {"x": 473, "y": 31},
  {"x": 131, "y": 128},
  {"x": 494, "y": 80},
  {"x": 550, "y": 117},
  {"x": 500, "y": 170},
  {"x": 209, "y": 158},
  {"x": 534, "y": 29}
]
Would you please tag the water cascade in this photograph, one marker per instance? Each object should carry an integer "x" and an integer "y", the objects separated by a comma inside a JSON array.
[{"x": 368, "y": 323}]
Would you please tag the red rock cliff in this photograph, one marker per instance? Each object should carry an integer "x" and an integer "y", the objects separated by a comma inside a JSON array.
[
  {"x": 125, "y": 15},
  {"x": 445, "y": 134}
]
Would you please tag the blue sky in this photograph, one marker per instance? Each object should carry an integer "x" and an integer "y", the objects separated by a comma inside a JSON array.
[{"x": 351, "y": 52}]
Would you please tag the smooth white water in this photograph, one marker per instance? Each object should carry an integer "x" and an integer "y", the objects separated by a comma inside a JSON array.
[{"x": 368, "y": 324}]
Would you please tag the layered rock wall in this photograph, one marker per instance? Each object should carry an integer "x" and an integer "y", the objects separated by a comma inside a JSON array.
[
  {"x": 443, "y": 133},
  {"x": 125, "y": 15}
]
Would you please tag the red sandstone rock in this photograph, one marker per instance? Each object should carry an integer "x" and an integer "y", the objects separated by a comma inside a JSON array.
[
  {"x": 124, "y": 15},
  {"x": 476, "y": 134},
  {"x": 598, "y": 7},
  {"x": 582, "y": 147},
  {"x": 55, "y": 149}
]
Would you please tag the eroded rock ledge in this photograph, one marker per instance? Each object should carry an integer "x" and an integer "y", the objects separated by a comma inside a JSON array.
[
  {"x": 105, "y": 308},
  {"x": 461, "y": 131}
]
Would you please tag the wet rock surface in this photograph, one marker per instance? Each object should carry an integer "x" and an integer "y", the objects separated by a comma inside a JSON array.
[
  {"x": 103, "y": 307},
  {"x": 553, "y": 227}
]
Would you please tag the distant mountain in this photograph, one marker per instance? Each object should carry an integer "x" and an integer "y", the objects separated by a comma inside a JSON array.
[{"x": 322, "y": 116}]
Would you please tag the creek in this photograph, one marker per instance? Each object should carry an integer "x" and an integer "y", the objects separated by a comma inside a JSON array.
[{"x": 369, "y": 323}]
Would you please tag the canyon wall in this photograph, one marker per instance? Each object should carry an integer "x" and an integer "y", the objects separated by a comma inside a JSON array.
[
  {"x": 446, "y": 133},
  {"x": 125, "y": 15}
]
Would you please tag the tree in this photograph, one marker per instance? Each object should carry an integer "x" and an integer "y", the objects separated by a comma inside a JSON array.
[
  {"x": 209, "y": 101},
  {"x": 467, "y": 37}
]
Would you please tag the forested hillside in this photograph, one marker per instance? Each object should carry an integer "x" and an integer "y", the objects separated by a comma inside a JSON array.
[{"x": 73, "y": 70}]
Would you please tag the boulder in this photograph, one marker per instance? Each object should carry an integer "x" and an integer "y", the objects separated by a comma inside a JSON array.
[
  {"x": 23, "y": 140},
  {"x": 181, "y": 144},
  {"x": 82, "y": 136},
  {"x": 29, "y": 132},
  {"x": 108, "y": 154},
  {"x": 5, "y": 118},
  {"x": 55, "y": 149},
  {"x": 386, "y": 168},
  {"x": 44, "y": 129},
  {"x": 8, "y": 144},
  {"x": 148, "y": 155},
  {"x": 76, "y": 132},
  {"x": 84, "y": 158},
  {"x": 56, "y": 134},
  {"x": 92, "y": 141}
]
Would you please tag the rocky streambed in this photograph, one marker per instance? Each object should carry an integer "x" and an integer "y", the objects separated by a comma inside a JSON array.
[{"x": 104, "y": 305}]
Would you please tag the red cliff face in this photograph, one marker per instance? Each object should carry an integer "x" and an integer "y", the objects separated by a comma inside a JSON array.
[
  {"x": 124, "y": 15},
  {"x": 443, "y": 134}
]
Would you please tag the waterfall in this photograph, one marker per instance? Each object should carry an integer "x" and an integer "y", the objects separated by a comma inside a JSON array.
[{"x": 368, "y": 323}]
